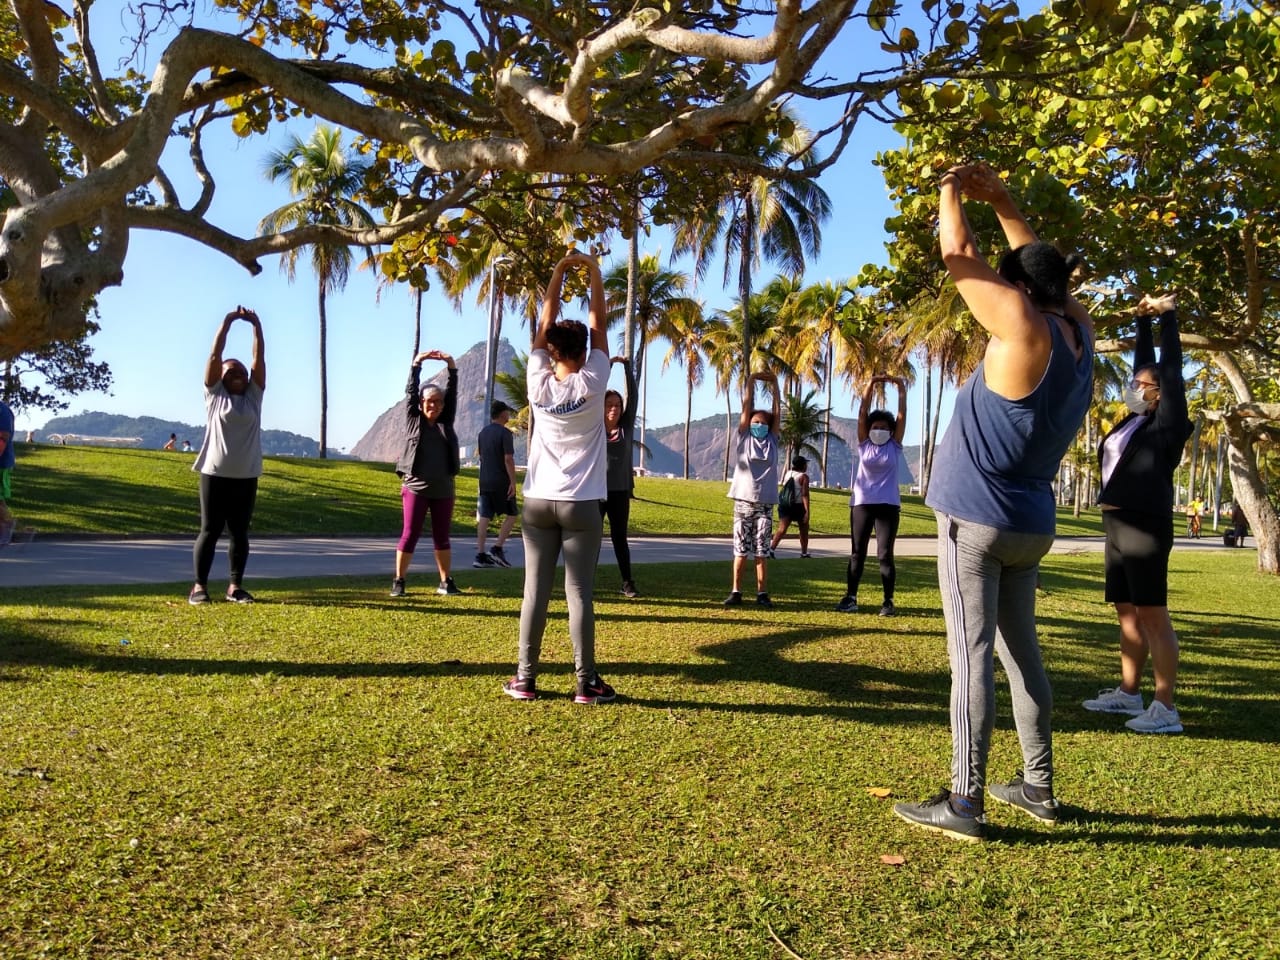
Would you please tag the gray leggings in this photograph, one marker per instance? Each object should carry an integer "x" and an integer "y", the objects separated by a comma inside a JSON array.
[
  {"x": 988, "y": 582},
  {"x": 549, "y": 526}
]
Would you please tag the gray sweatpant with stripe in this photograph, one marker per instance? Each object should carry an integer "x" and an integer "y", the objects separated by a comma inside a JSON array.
[
  {"x": 549, "y": 527},
  {"x": 988, "y": 582}
]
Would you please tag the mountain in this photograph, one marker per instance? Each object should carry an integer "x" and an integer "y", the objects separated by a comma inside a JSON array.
[
  {"x": 153, "y": 433},
  {"x": 384, "y": 440}
]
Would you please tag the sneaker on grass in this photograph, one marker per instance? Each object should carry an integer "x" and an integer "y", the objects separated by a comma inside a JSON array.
[
  {"x": 239, "y": 595},
  {"x": 938, "y": 815},
  {"x": 448, "y": 588},
  {"x": 629, "y": 589},
  {"x": 1157, "y": 718},
  {"x": 499, "y": 556},
  {"x": 1116, "y": 701},
  {"x": 484, "y": 560},
  {"x": 520, "y": 689},
  {"x": 847, "y": 605},
  {"x": 888, "y": 610},
  {"x": 197, "y": 596},
  {"x": 1014, "y": 793},
  {"x": 734, "y": 599},
  {"x": 762, "y": 600},
  {"x": 397, "y": 587},
  {"x": 594, "y": 690}
]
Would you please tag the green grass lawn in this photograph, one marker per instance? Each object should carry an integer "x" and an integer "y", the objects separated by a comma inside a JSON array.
[
  {"x": 329, "y": 773},
  {"x": 88, "y": 490}
]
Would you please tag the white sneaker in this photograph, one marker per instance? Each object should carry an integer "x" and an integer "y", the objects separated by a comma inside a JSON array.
[
  {"x": 1156, "y": 719},
  {"x": 1116, "y": 701}
]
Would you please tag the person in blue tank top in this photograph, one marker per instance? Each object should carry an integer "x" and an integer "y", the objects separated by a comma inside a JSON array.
[{"x": 992, "y": 494}]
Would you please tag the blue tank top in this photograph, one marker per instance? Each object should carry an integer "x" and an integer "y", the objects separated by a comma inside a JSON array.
[{"x": 998, "y": 459}]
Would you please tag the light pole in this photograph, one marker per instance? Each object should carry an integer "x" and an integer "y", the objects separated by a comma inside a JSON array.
[{"x": 495, "y": 329}]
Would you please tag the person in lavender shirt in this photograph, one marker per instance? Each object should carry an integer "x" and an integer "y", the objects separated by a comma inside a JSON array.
[{"x": 875, "y": 502}]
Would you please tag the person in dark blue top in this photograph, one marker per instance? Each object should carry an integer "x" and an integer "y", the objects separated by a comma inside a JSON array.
[
  {"x": 1138, "y": 458},
  {"x": 992, "y": 493}
]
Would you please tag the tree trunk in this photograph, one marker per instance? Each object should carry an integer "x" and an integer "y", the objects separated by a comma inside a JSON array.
[
  {"x": 324, "y": 375},
  {"x": 633, "y": 271},
  {"x": 826, "y": 439},
  {"x": 728, "y": 430},
  {"x": 933, "y": 436},
  {"x": 1193, "y": 475},
  {"x": 417, "y": 321},
  {"x": 744, "y": 281},
  {"x": 1251, "y": 493},
  {"x": 688, "y": 416}
]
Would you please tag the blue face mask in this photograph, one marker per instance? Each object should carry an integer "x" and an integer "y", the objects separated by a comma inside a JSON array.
[{"x": 759, "y": 430}]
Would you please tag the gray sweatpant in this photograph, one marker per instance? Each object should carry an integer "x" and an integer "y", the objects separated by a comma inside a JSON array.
[
  {"x": 988, "y": 583},
  {"x": 548, "y": 527}
]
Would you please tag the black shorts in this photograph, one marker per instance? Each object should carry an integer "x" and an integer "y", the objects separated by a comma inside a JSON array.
[
  {"x": 495, "y": 503},
  {"x": 1137, "y": 557},
  {"x": 795, "y": 514}
]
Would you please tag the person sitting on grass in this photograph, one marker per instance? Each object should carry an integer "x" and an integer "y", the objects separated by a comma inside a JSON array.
[{"x": 754, "y": 489}]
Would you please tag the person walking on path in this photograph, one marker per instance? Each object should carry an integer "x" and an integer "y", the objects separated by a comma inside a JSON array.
[
  {"x": 754, "y": 488},
  {"x": 426, "y": 468},
  {"x": 497, "y": 487},
  {"x": 1195, "y": 510},
  {"x": 992, "y": 492},
  {"x": 230, "y": 458},
  {"x": 7, "y": 461},
  {"x": 876, "y": 502},
  {"x": 793, "y": 505},
  {"x": 565, "y": 482},
  {"x": 619, "y": 432},
  {"x": 1138, "y": 458}
]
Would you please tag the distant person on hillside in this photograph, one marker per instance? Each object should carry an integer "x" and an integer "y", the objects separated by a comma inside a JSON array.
[
  {"x": 171, "y": 443},
  {"x": 798, "y": 509},
  {"x": 754, "y": 489},
  {"x": 1138, "y": 458},
  {"x": 426, "y": 468},
  {"x": 230, "y": 459},
  {"x": 6, "y": 473},
  {"x": 565, "y": 482},
  {"x": 186, "y": 446},
  {"x": 992, "y": 492},
  {"x": 619, "y": 431},
  {"x": 497, "y": 494},
  {"x": 875, "y": 502}
]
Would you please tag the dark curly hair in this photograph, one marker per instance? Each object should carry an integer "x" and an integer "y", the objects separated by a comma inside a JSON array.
[
  {"x": 567, "y": 340},
  {"x": 1044, "y": 270}
]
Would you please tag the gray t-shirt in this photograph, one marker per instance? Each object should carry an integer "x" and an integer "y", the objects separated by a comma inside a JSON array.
[
  {"x": 495, "y": 444},
  {"x": 232, "y": 444},
  {"x": 755, "y": 475}
]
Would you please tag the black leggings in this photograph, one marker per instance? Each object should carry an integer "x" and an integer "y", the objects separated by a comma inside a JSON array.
[
  {"x": 885, "y": 517},
  {"x": 224, "y": 502},
  {"x": 618, "y": 511}
]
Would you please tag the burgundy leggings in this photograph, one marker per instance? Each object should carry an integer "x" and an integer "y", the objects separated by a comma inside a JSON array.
[{"x": 416, "y": 508}]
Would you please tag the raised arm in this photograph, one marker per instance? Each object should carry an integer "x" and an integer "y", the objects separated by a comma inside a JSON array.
[
  {"x": 865, "y": 407},
  {"x": 632, "y": 400},
  {"x": 550, "y": 305},
  {"x": 748, "y": 403},
  {"x": 597, "y": 320},
  {"x": 213, "y": 366},
  {"x": 900, "y": 426},
  {"x": 1173, "y": 388},
  {"x": 771, "y": 380},
  {"x": 258, "y": 366}
]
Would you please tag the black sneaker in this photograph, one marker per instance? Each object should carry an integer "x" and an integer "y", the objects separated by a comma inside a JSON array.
[
  {"x": 448, "y": 587},
  {"x": 847, "y": 605},
  {"x": 499, "y": 556},
  {"x": 1014, "y": 793},
  {"x": 594, "y": 690},
  {"x": 239, "y": 595},
  {"x": 762, "y": 600},
  {"x": 520, "y": 689},
  {"x": 937, "y": 814},
  {"x": 734, "y": 599},
  {"x": 197, "y": 596},
  {"x": 484, "y": 560},
  {"x": 397, "y": 587},
  {"x": 888, "y": 610},
  {"x": 629, "y": 589}
]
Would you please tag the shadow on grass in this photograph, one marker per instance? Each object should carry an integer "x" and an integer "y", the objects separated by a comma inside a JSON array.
[{"x": 1219, "y": 831}]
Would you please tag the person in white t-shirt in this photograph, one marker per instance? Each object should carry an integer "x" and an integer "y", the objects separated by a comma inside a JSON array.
[
  {"x": 230, "y": 459},
  {"x": 565, "y": 481}
]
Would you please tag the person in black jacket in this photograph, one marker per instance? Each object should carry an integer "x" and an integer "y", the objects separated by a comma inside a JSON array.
[
  {"x": 426, "y": 468},
  {"x": 1138, "y": 458}
]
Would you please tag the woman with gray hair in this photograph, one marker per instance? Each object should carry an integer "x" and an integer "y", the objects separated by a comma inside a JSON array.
[{"x": 426, "y": 469}]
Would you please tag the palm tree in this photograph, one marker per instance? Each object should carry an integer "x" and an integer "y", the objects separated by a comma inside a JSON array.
[
  {"x": 324, "y": 178},
  {"x": 684, "y": 329},
  {"x": 802, "y": 423},
  {"x": 515, "y": 384},
  {"x": 778, "y": 219}
]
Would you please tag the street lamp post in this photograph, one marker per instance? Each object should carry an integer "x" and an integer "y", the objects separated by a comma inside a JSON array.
[{"x": 495, "y": 329}]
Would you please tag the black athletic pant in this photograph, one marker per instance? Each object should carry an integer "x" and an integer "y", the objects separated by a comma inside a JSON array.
[
  {"x": 225, "y": 502},
  {"x": 618, "y": 511},
  {"x": 885, "y": 517}
]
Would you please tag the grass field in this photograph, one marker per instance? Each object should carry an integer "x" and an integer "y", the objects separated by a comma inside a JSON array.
[
  {"x": 95, "y": 491},
  {"x": 329, "y": 773}
]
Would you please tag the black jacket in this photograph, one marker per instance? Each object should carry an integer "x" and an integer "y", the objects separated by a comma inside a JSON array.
[
  {"x": 415, "y": 421},
  {"x": 1143, "y": 478}
]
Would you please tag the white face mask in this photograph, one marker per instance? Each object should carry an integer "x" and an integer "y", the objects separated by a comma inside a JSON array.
[
  {"x": 879, "y": 437},
  {"x": 1133, "y": 400}
]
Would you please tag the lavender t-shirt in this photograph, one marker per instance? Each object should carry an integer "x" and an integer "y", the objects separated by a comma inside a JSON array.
[{"x": 875, "y": 475}]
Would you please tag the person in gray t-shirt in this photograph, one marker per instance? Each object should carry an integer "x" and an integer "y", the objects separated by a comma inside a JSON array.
[{"x": 230, "y": 459}]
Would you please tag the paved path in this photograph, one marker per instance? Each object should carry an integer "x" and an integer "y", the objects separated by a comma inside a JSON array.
[{"x": 61, "y": 562}]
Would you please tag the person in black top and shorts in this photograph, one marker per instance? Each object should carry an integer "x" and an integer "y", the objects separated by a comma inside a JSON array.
[{"x": 497, "y": 495}]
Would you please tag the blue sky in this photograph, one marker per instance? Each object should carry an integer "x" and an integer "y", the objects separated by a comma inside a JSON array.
[{"x": 157, "y": 326}]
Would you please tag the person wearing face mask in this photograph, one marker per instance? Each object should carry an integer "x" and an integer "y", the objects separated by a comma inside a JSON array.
[
  {"x": 754, "y": 489},
  {"x": 230, "y": 458},
  {"x": 426, "y": 468},
  {"x": 992, "y": 494},
  {"x": 875, "y": 502},
  {"x": 1138, "y": 458}
]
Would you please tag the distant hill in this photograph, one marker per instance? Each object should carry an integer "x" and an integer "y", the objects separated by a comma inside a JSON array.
[{"x": 154, "y": 433}]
